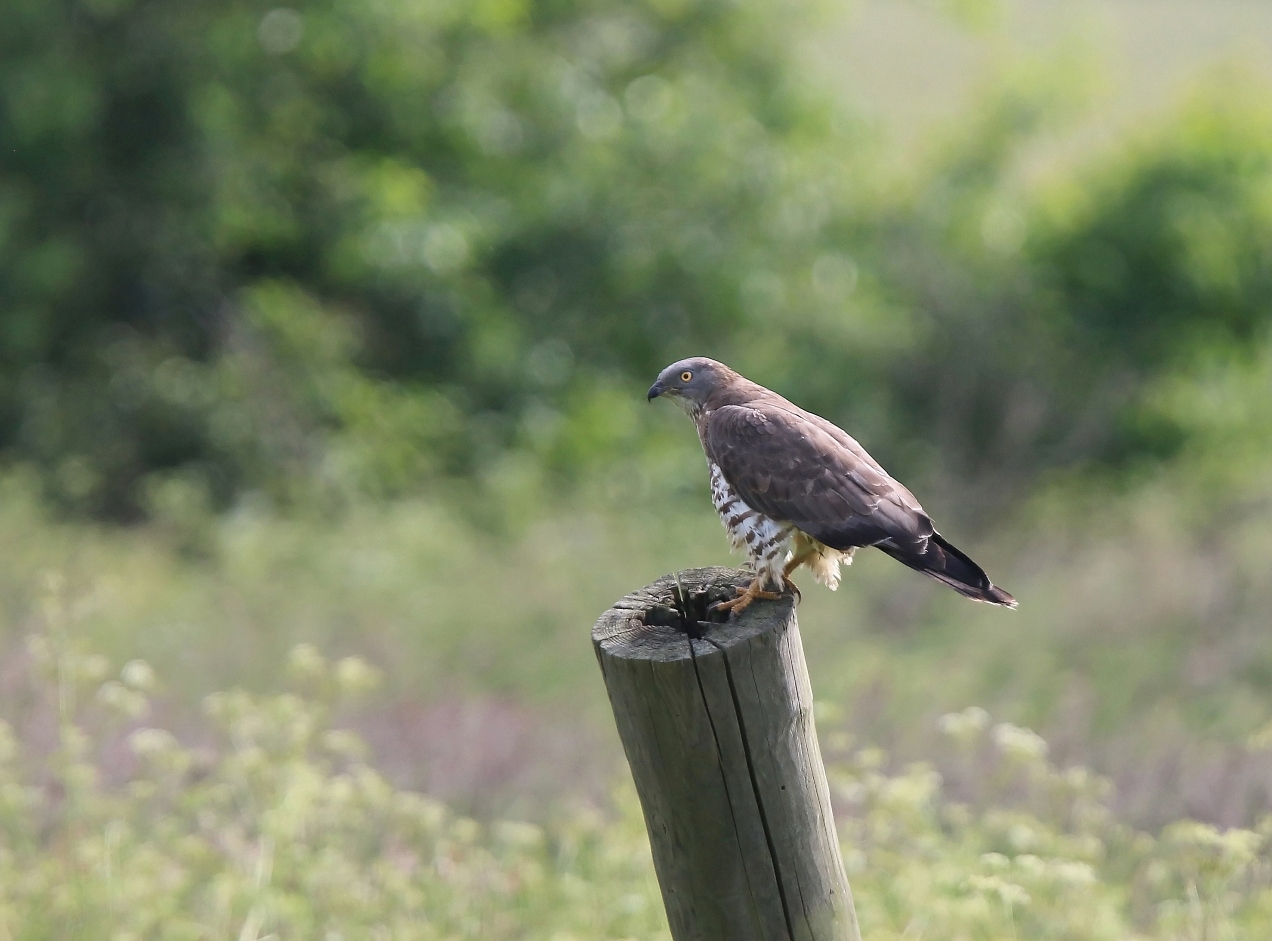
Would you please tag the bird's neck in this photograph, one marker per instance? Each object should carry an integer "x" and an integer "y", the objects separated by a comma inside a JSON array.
[
  {"x": 738, "y": 392},
  {"x": 699, "y": 414}
]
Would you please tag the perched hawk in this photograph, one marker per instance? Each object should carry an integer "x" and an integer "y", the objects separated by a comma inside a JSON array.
[{"x": 793, "y": 489}]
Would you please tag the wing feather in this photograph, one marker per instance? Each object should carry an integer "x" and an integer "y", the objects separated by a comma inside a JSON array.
[{"x": 796, "y": 467}]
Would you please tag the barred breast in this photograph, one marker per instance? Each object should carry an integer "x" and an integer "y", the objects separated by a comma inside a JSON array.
[{"x": 768, "y": 543}]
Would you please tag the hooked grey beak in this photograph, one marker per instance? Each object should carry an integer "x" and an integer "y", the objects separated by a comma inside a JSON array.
[{"x": 654, "y": 391}]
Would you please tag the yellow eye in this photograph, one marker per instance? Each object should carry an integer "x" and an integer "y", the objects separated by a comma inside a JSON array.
[{"x": 686, "y": 376}]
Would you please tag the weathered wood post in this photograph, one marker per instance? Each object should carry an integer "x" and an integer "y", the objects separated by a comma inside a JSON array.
[{"x": 716, "y": 719}]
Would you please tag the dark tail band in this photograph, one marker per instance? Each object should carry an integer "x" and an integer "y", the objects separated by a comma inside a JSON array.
[{"x": 949, "y": 565}]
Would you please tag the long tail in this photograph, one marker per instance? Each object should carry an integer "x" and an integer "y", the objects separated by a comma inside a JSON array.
[{"x": 947, "y": 564}]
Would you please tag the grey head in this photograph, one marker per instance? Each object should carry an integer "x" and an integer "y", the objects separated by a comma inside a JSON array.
[{"x": 691, "y": 382}]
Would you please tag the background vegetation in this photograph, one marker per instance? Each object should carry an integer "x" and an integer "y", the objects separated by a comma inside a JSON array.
[{"x": 328, "y": 325}]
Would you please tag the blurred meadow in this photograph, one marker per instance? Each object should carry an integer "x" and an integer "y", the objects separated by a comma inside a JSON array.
[{"x": 324, "y": 336}]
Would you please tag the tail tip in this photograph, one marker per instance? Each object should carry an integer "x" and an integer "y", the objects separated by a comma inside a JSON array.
[{"x": 995, "y": 595}]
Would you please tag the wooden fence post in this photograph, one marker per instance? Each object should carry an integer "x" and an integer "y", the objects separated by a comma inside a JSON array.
[{"x": 716, "y": 719}]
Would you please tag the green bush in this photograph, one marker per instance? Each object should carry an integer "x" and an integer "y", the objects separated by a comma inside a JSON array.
[
  {"x": 229, "y": 232},
  {"x": 1043, "y": 314},
  {"x": 1161, "y": 262}
]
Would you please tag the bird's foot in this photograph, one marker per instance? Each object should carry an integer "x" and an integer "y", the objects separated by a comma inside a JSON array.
[
  {"x": 745, "y": 597},
  {"x": 789, "y": 585}
]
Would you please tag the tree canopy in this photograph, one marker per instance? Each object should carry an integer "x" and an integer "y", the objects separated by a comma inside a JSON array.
[{"x": 384, "y": 243}]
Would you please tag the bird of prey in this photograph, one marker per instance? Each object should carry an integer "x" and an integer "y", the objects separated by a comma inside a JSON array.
[{"x": 793, "y": 489}]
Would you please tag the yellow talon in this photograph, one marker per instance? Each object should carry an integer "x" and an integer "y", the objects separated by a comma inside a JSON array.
[{"x": 746, "y": 596}]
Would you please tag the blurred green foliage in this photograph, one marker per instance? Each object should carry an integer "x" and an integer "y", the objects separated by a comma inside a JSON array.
[
  {"x": 254, "y": 254},
  {"x": 349, "y": 246},
  {"x": 1048, "y": 312},
  {"x": 1141, "y": 651},
  {"x": 277, "y": 827},
  {"x": 232, "y": 232},
  {"x": 1164, "y": 261}
]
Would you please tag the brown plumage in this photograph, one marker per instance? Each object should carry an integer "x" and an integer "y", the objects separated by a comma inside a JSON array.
[{"x": 794, "y": 489}]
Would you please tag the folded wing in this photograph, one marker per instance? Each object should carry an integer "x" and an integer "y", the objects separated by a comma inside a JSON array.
[
  {"x": 788, "y": 465},
  {"x": 799, "y": 468}
]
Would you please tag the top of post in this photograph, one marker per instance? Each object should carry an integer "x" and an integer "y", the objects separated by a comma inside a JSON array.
[{"x": 660, "y": 621}]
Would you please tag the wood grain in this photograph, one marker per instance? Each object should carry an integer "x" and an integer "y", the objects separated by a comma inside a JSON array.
[{"x": 717, "y": 723}]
